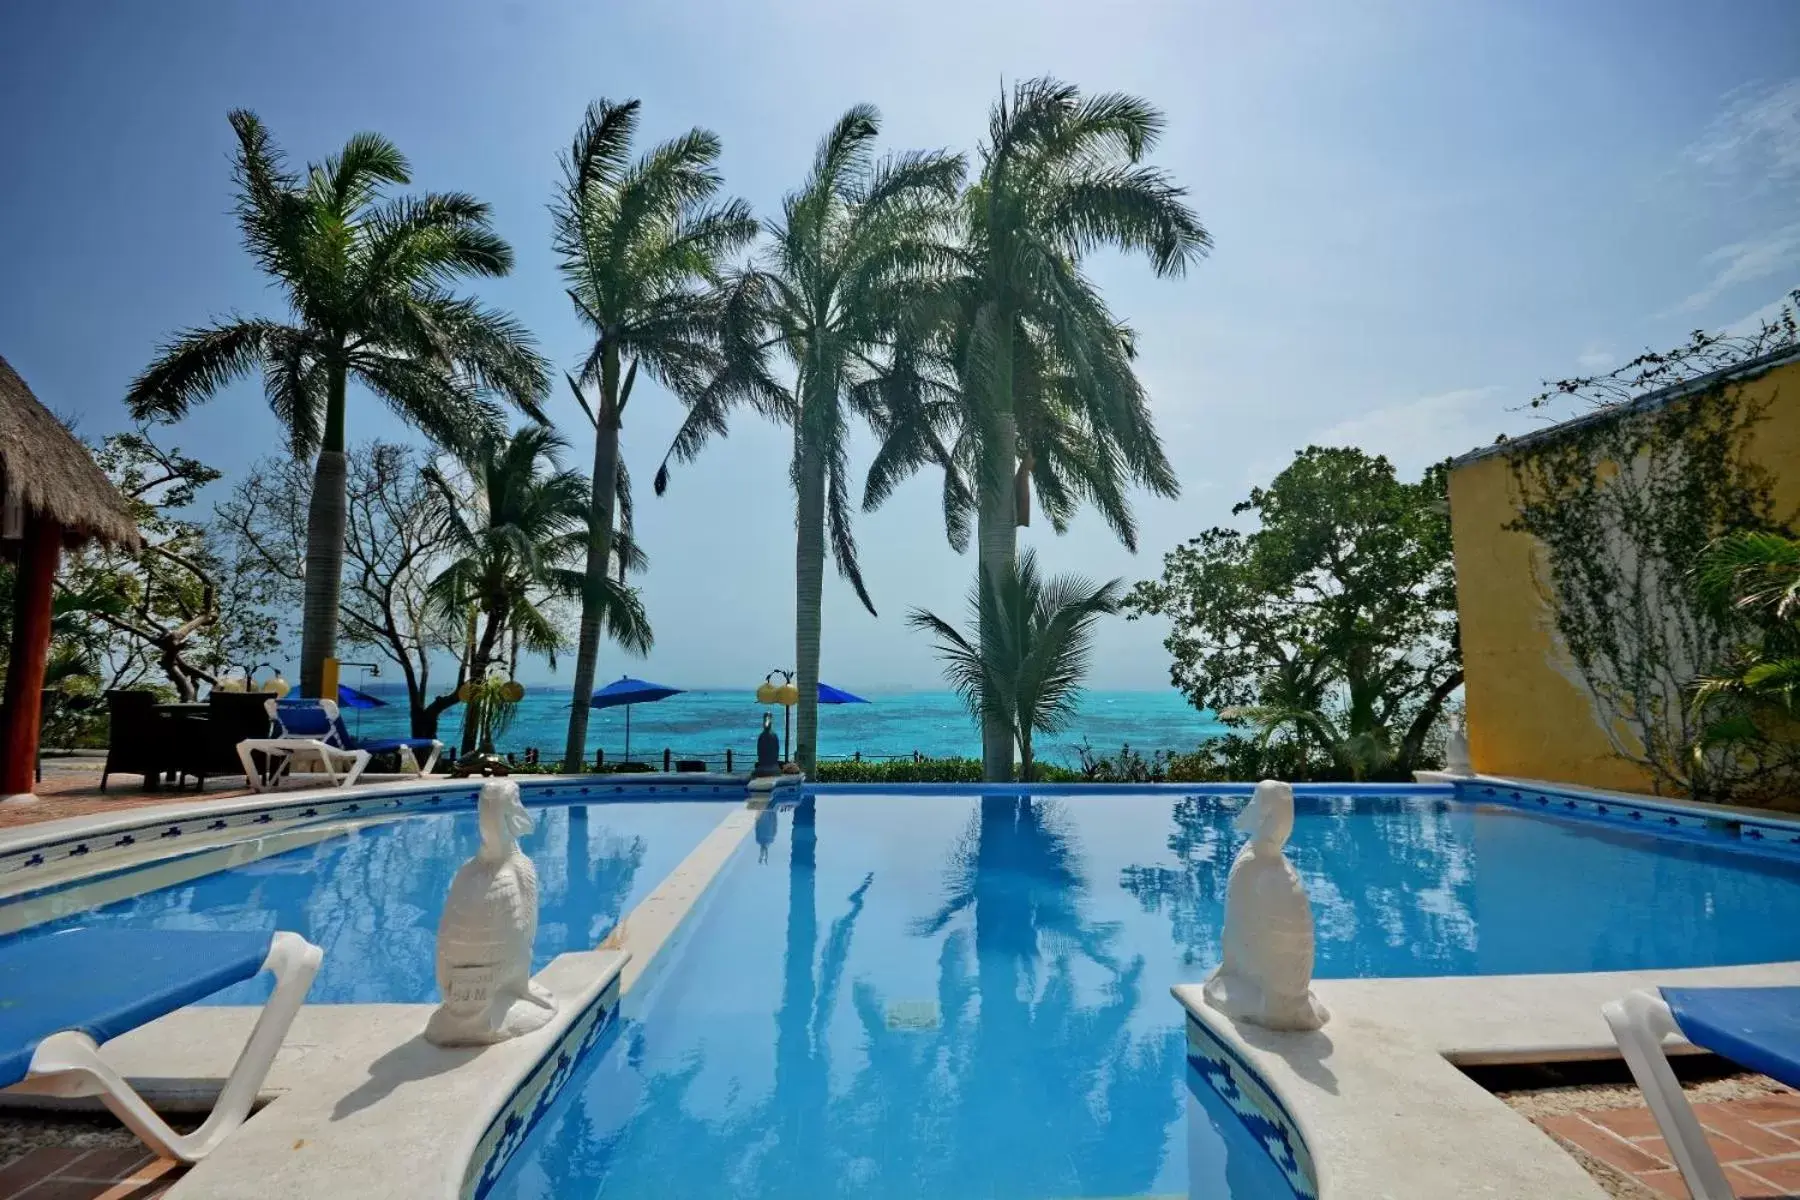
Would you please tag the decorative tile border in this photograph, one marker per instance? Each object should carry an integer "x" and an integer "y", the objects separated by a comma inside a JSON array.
[
  {"x": 97, "y": 849},
  {"x": 532, "y": 1099},
  {"x": 1651, "y": 816},
  {"x": 1255, "y": 1105}
]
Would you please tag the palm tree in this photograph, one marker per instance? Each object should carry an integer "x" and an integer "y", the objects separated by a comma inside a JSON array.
[
  {"x": 855, "y": 251},
  {"x": 1024, "y": 671},
  {"x": 366, "y": 277},
  {"x": 641, "y": 246},
  {"x": 1048, "y": 397},
  {"x": 1753, "y": 578},
  {"x": 517, "y": 526}
]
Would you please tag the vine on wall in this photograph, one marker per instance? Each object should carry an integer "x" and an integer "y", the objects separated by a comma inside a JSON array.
[{"x": 1623, "y": 510}]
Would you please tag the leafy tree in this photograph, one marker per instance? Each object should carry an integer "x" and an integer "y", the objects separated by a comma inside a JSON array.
[
  {"x": 395, "y": 539},
  {"x": 847, "y": 264},
  {"x": 641, "y": 245},
  {"x": 1027, "y": 673},
  {"x": 366, "y": 277},
  {"x": 516, "y": 526},
  {"x": 183, "y": 606},
  {"x": 1047, "y": 398},
  {"x": 1333, "y": 622}
]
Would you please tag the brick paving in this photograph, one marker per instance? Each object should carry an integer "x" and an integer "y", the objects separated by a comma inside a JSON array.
[
  {"x": 65, "y": 1173},
  {"x": 1757, "y": 1140},
  {"x": 71, "y": 788}
]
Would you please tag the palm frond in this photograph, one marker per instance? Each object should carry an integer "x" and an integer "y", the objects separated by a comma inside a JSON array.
[{"x": 196, "y": 363}]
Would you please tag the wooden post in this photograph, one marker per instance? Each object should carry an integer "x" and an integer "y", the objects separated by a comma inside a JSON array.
[
  {"x": 24, "y": 710},
  {"x": 666, "y": 758},
  {"x": 728, "y": 760}
]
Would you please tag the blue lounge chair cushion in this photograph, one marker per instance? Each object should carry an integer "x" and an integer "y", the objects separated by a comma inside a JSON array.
[
  {"x": 302, "y": 718},
  {"x": 105, "y": 982},
  {"x": 1756, "y": 1027}
]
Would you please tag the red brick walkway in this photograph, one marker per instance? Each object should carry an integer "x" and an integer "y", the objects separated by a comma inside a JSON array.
[
  {"x": 61, "y": 1173},
  {"x": 1757, "y": 1141},
  {"x": 71, "y": 788}
]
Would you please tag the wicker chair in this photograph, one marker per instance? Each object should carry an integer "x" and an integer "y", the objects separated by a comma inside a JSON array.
[{"x": 138, "y": 740}]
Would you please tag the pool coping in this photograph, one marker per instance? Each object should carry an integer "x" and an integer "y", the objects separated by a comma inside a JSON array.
[{"x": 1376, "y": 1096}]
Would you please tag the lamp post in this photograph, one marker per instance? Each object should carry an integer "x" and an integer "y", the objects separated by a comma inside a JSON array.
[{"x": 786, "y": 695}]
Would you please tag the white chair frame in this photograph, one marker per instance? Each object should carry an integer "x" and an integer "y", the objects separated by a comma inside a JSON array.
[{"x": 68, "y": 1064}]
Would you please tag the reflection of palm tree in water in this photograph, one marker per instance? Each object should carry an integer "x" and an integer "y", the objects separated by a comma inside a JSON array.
[
  {"x": 1050, "y": 1097},
  {"x": 1019, "y": 1090}
]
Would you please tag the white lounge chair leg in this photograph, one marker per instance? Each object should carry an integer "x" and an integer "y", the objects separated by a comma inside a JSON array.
[
  {"x": 358, "y": 763},
  {"x": 1639, "y": 1023},
  {"x": 76, "y": 1058},
  {"x": 437, "y": 748},
  {"x": 252, "y": 777}
]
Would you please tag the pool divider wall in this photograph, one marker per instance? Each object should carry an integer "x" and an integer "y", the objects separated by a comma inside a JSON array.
[
  {"x": 526, "y": 1104},
  {"x": 1256, "y": 1105}
]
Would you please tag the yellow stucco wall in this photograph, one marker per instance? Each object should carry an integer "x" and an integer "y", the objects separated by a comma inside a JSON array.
[{"x": 1525, "y": 717}]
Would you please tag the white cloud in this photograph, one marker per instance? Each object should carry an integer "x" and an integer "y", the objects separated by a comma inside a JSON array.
[
  {"x": 1595, "y": 359},
  {"x": 1745, "y": 262},
  {"x": 1416, "y": 433},
  {"x": 1756, "y": 134},
  {"x": 1753, "y": 322}
]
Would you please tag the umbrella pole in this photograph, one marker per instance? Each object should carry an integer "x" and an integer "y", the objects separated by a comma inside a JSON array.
[{"x": 628, "y": 733}]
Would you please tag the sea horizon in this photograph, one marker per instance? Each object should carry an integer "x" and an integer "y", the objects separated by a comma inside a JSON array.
[{"x": 896, "y": 723}]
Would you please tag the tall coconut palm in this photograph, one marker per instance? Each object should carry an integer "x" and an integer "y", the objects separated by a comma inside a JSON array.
[
  {"x": 857, "y": 249},
  {"x": 367, "y": 280},
  {"x": 1049, "y": 399},
  {"x": 641, "y": 245},
  {"x": 1035, "y": 639},
  {"x": 518, "y": 527}
]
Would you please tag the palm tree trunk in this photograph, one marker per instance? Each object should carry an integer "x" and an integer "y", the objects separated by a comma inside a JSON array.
[
  {"x": 600, "y": 528},
  {"x": 809, "y": 581},
  {"x": 1027, "y": 761},
  {"x": 997, "y": 547},
  {"x": 480, "y": 660},
  {"x": 326, "y": 517}
]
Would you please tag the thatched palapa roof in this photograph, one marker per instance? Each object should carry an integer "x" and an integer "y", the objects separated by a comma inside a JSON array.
[{"x": 44, "y": 465}]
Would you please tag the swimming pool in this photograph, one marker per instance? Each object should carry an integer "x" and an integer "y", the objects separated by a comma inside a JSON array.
[
  {"x": 953, "y": 995},
  {"x": 371, "y": 897}
]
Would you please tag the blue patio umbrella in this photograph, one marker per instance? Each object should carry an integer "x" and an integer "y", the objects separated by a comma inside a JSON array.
[
  {"x": 628, "y": 691},
  {"x": 349, "y": 697},
  {"x": 831, "y": 695}
]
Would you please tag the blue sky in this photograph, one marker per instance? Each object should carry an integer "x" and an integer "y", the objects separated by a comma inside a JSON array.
[{"x": 1420, "y": 210}]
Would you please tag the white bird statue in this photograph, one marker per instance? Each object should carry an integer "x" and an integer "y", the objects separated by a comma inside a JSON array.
[
  {"x": 485, "y": 935},
  {"x": 1266, "y": 977}
]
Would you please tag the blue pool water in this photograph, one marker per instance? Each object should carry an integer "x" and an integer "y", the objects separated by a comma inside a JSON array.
[
  {"x": 957, "y": 996},
  {"x": 372, "y": 898}
]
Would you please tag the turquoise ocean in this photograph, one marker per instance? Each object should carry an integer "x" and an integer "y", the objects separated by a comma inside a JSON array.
[{"x": 703, "y": 724}]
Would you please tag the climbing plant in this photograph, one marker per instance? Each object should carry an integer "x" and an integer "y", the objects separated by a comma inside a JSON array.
[{"x": 1623, "y": 507}]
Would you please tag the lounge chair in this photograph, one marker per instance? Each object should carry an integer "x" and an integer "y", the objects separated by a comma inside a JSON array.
[
  {"x": 1757, "y": 1027},
  {"x": 68, "y": 992},
  {"x": 312, "y": 731}
]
